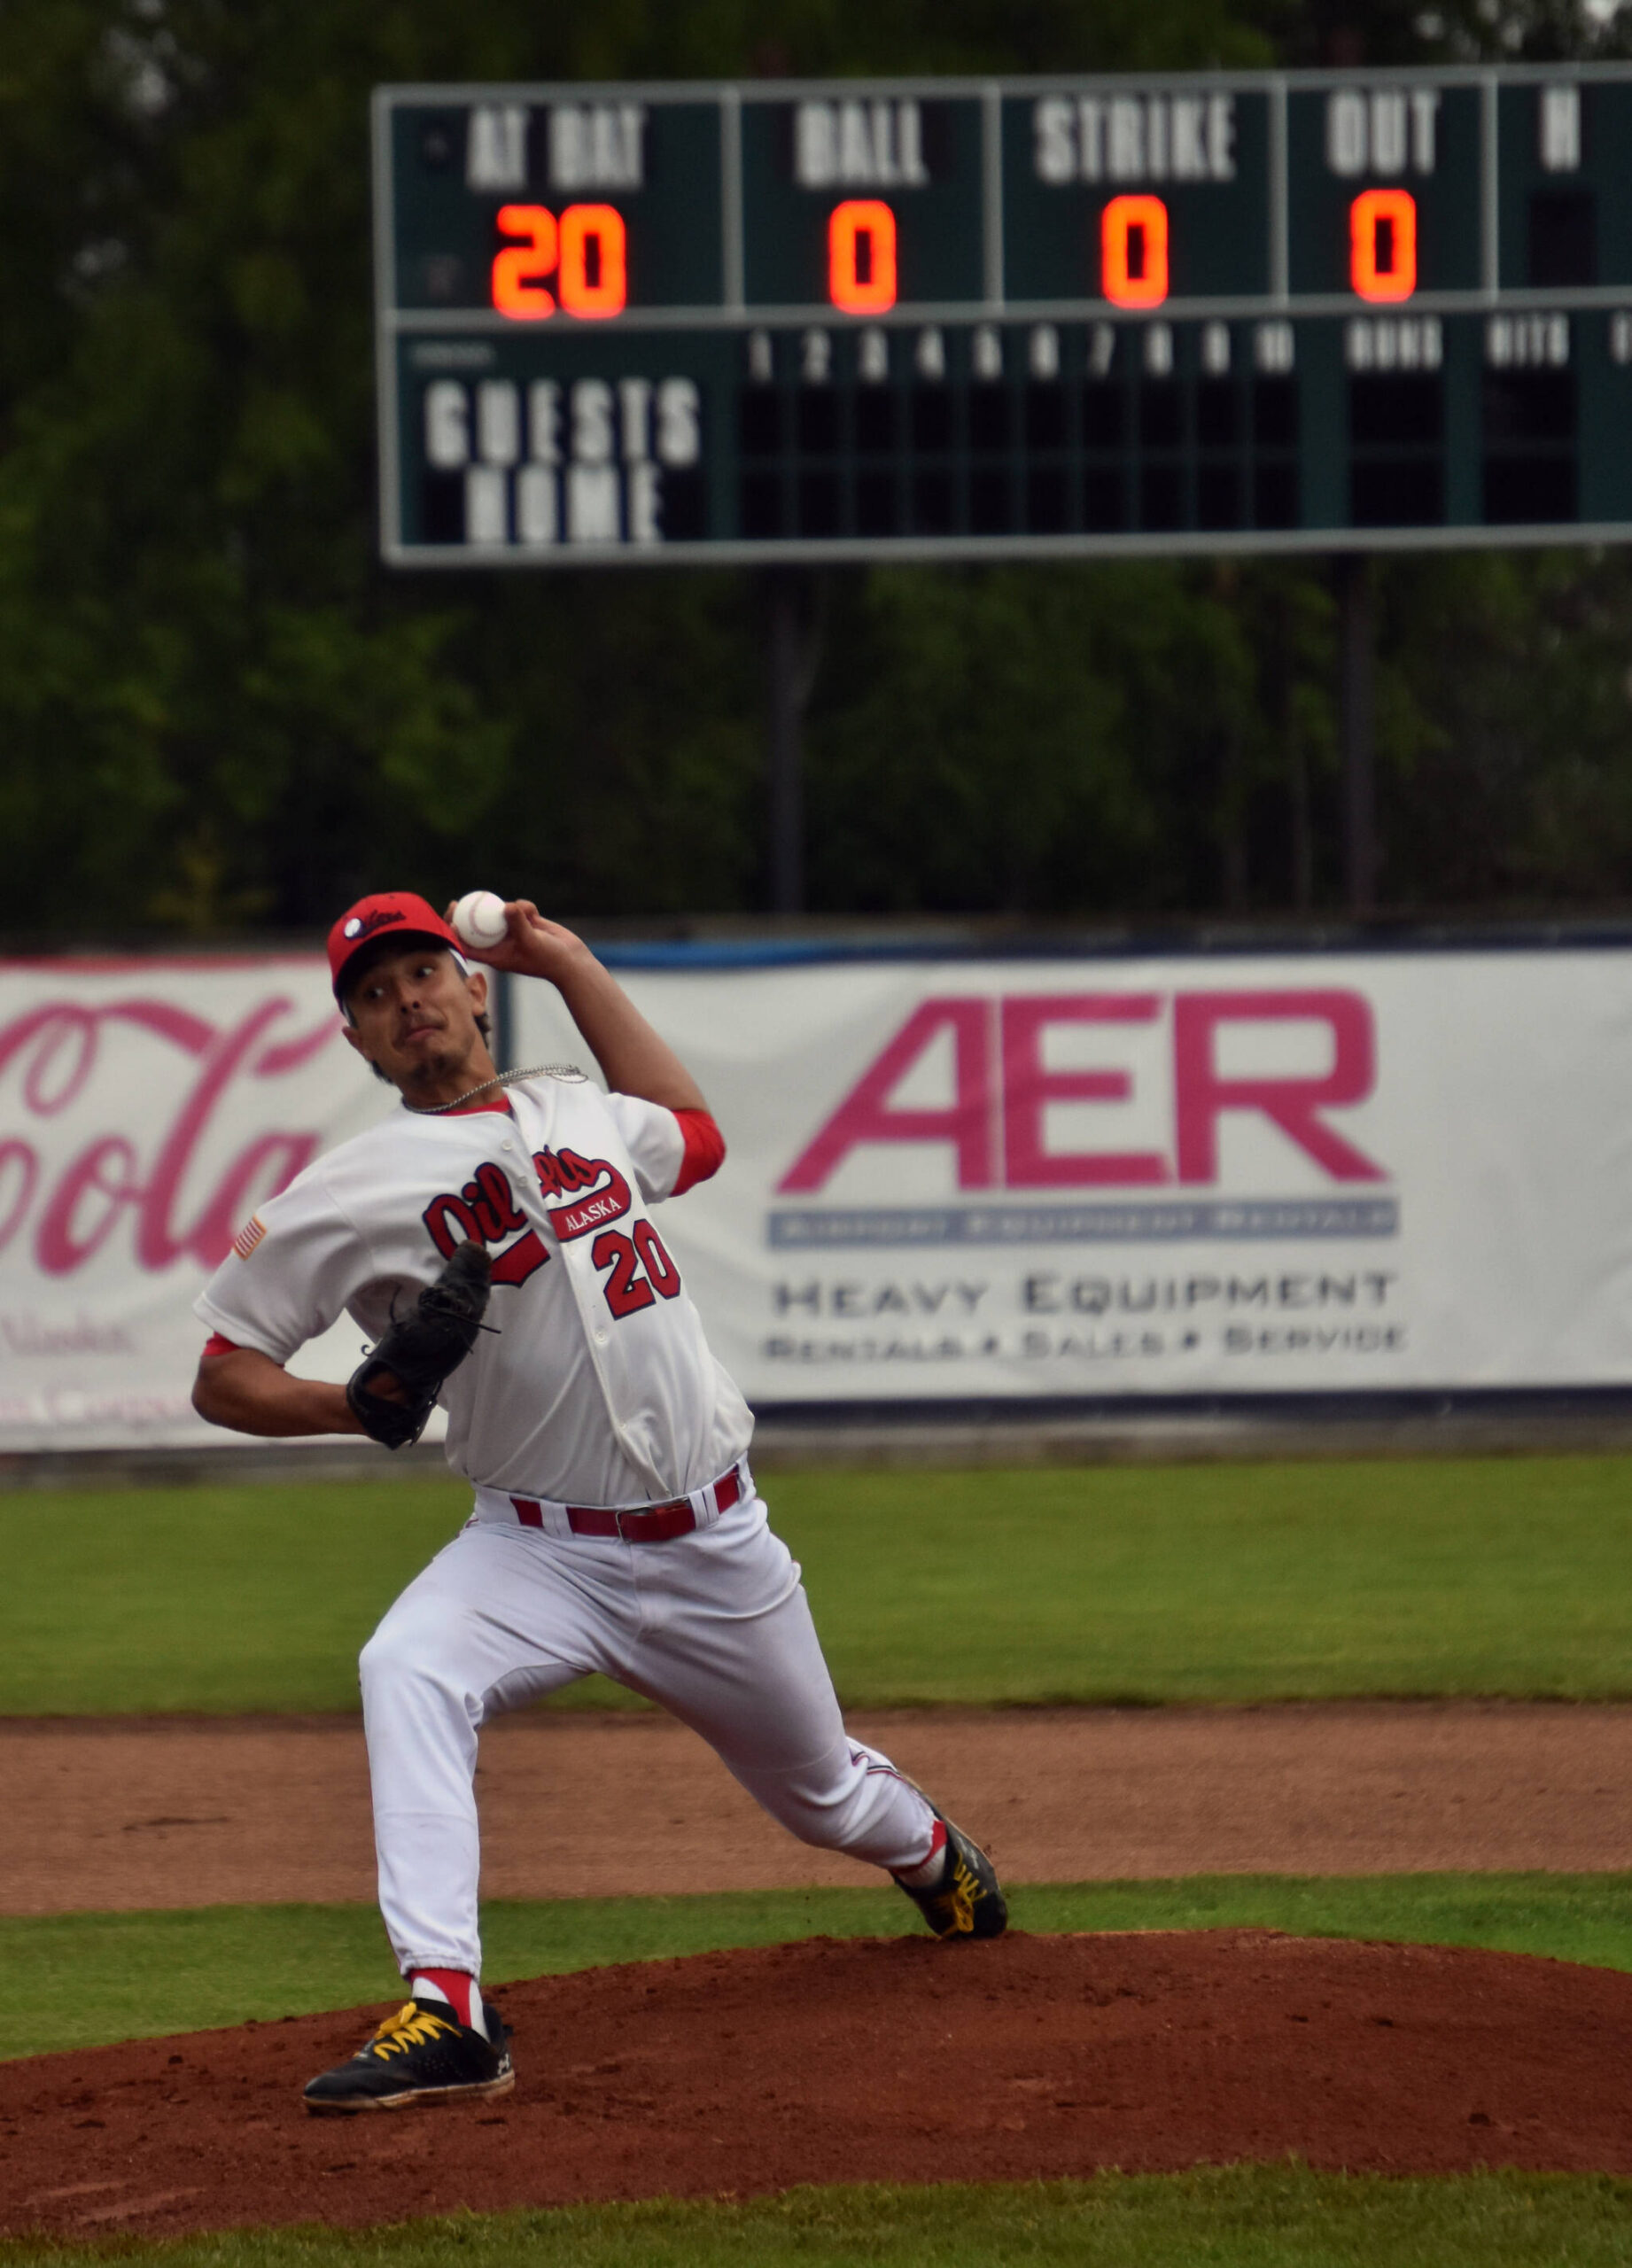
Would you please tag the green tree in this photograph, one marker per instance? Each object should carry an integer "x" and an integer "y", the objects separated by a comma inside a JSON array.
[{"x": 219, "y": 710}]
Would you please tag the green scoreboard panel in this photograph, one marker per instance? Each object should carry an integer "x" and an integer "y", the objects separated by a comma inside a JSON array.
[{"x": 959, "y": 319}]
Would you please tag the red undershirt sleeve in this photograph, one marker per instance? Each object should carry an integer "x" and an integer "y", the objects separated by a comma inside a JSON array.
[
  {"x": 218, "y": 1343},
  {"x": 705, "y": 1149}
]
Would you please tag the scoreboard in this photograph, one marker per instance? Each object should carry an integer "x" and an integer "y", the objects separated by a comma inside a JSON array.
[{"x": 967, "y": 319}]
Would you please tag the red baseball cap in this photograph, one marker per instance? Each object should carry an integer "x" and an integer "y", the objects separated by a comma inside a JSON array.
[{"x": 388, "y": 913}]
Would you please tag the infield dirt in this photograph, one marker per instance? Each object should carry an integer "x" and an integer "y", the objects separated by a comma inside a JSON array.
[
  {"x": 890, "y": 2060},
  {"x": 886, "y": 2060},
  {"x": 129, "y": 1814}
]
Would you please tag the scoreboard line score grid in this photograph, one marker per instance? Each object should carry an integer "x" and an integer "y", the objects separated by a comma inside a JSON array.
[{"x": 802, "y": 321}]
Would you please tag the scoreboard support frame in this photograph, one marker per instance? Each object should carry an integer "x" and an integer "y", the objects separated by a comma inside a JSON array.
[
  {"x": 794, "y": 604},
  {"x": 1351, "y": 572}
]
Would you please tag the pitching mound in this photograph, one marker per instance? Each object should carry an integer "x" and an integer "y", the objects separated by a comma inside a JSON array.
[{"x": 883, "y": 2060}]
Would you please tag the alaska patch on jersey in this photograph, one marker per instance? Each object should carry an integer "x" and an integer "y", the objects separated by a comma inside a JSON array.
[{"x": 609, "y": 1196}]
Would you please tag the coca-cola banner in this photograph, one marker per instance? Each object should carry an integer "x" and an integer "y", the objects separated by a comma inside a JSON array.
[
  {"x": 1187, "y": 1175},
  {"x": 146, "y": 1107}
]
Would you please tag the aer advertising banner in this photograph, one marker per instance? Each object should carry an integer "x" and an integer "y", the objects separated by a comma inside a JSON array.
[
  {"x": 945, "y": 1179},
  {"x": 1190, "y": 1176}
]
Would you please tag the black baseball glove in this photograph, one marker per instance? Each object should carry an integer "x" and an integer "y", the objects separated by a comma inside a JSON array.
[{"x": 421, "y": 1349}]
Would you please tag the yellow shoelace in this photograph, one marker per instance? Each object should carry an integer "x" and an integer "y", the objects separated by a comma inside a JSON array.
[
  {"x": 963, "y": 1890},
  {"x": 408, "y": 2028}
]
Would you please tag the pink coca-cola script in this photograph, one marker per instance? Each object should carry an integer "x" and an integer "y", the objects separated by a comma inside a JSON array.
[{"x": 67, "y": 1185}]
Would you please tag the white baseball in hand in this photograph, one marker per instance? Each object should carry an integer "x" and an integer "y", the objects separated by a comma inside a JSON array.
[{"x": 479, "y": 918}]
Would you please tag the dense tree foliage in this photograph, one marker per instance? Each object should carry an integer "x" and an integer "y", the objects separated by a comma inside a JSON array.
[{"x": 218, "y": 710}]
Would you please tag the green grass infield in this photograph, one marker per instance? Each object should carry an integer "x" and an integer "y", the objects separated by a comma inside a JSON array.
[
  {"x": 1198, "y": 1583},
  {"x": 1233, "y": 2216},
  {"x": 77, "y": 1980}
]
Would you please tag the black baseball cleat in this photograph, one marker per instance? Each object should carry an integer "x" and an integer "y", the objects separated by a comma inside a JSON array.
[
  {"x": 422, "y": 2054},
  {"x": 968, "y": 1901}
]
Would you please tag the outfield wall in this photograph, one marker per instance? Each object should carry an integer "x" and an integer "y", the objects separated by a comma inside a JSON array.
[{"x": 1015, "y": 1181}]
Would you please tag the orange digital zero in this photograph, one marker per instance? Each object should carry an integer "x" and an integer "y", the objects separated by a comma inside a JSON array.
[
  {"x": 1382, "y": 243},
  {"x": 861, "y": 257},
  {"x": 1133, "y": 251}
]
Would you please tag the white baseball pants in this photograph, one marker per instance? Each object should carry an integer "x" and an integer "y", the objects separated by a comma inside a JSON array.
[{"x": 713, "y": 1625}]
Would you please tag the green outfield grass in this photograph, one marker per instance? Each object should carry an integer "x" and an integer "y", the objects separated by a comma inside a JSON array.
[
  {"x": 1178, "y": 1583},
  {"x": 1235, "y": 2217},
  {"x": 77, "y": 1980}
]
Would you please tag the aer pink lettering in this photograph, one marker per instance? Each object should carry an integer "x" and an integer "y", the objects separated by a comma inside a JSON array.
[
  {"x": 1294, "y": 1104},
  {"x": 867, "y": 1114},
  {"x": 1027, "y": 1090},
  {"x": 1000, "y": 1081}
]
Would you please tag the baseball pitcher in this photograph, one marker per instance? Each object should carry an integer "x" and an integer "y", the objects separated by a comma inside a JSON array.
[{"x": 495, "y": 1237}]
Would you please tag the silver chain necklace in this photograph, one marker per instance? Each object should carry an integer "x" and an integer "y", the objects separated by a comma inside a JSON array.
[{"x": 569, "y": 1071}]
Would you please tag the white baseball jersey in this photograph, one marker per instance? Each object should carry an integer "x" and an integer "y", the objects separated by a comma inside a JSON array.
[{"x": 593, "y": 1384}]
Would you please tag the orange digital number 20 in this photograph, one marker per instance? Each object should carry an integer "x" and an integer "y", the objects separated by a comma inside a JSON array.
[{"x": 586, "y": 251}]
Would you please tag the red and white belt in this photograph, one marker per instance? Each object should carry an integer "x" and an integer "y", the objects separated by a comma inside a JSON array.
[{"x": 626, "y": 1523}]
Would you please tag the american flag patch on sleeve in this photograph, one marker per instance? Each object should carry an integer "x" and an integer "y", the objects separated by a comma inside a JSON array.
[{"x": 249, "y": 1236}]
